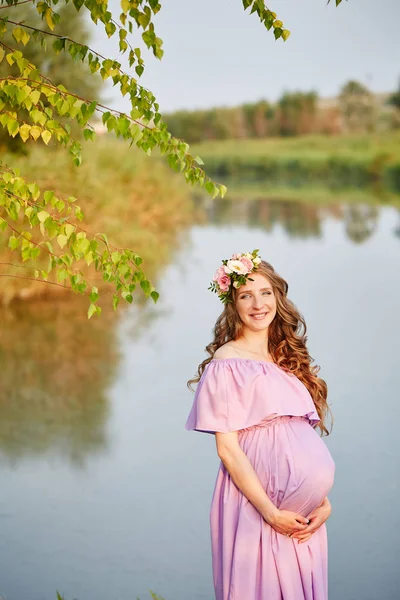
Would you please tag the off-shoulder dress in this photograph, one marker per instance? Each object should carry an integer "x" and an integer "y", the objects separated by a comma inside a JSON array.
[{"x": 275, "y": 417}]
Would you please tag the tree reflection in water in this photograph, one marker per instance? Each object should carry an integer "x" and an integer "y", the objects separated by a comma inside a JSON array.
[
  {"x": 56, "y": 366},
  {"x": 56, "y": 369},
  {"x": 397, "y": 228},
  {"x": 298, "y": 219},
  {"x": 361, "y": 222}
]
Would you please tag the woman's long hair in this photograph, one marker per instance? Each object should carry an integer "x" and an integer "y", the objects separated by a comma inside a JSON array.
[{"x": 286, "y": 341}]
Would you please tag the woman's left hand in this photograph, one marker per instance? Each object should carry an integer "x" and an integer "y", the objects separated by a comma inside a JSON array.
[{"x": 317, "y": 518}]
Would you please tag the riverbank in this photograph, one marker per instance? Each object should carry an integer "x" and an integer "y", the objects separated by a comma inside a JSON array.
[
  {"x": 337, "y": 162},
  {"x": 308, "y": 194}
]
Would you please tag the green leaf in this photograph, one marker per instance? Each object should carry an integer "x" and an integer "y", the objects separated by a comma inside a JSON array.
[
  {"x": 139, "y": 70},
  {"x": 10, "y": 59},
  {"x": 94, "y": 295},
  {"x": 285, "y": 34},
  {"x": 146, "y": 286},
  {"x": 62, "y": 240},
  {"x": 88, "y": 134},
  {"x": 17, "y": 33},
  {"x": 222, "y": 190},
  {"x": 210, "y": 187},
  {"x": 13, "y": 127},
  {"x": 116, "y": 300},
  {"x": 50, "y": 20},
  {"x": 89, "y": 258},
  {"x": 35, "y": 96},
  {"x": 34, "y": 190},
  {"x": 91, "y": 310},
  {"x": 25, "y": 37},
  {"x": 35, "y": 132},
  {"x": 46, "y": 136},
  {"x": 24, "y": 131},
  {"x": 43, "y": 215},
  {"x": 62, "y": 274},
  {"x": 69, "y": 230},
  {"x": 13, "y": 242},
  {"x": 59, "y": 45}
]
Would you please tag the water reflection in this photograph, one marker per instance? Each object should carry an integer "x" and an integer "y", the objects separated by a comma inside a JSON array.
[
  {"x": 397, "y": 228},
  {"x": 297, "y": 218},
  {"x": 361, "y": 222},
  {"x": 109, "y": 395},
  {"x": 56, "y": 366}
]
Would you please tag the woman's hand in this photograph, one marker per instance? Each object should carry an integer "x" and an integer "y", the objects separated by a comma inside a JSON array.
[
  {"x": 288, "y": 522},
  {"x": 317, "y": 518}
]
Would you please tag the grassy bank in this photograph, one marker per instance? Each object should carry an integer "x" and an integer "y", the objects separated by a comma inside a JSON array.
[
  {"x": 337, "y": 162},
  {"x": 136, "y": 200},
  {"x": 312, "y": 194}
]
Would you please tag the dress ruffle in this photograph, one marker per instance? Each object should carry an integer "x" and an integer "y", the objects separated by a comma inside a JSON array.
[{"x": 237, "y": 393}]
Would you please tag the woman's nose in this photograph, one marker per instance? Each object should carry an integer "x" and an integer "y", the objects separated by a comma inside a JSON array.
[{"x": 257, "y": 302}]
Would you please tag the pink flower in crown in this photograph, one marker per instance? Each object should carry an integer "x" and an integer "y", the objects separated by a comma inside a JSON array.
[
  {"x": 247, "y": 263},
  {"x": 223, "y": 280},
  {"x": 218, "y": 274},
  {"x": 236, "y": 256}
]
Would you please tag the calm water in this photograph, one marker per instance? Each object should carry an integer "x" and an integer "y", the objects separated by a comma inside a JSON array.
[{"x": 104, "y": 495}]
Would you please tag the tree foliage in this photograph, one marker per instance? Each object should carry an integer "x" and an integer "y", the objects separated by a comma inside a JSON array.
[
  {"x": 394, "y": 99},
  {"x": 59, "y": 68},
  {"x": 358, "y": 107},
  {"x": 295, "y": 113},
  {"x": 35, "y": 106}
]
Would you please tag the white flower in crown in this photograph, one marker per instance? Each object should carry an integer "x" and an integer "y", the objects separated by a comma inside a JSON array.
[
  {"x": 236, "y": 266},
  {"x": 256, "y": 261},
  {"x": 236, "y": 284}
]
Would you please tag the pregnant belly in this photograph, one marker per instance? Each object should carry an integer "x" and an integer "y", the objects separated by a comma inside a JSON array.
[{"x": 292, "y": 462}]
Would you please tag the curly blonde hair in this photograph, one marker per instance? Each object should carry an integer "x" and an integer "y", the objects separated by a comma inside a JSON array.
[{"x": 286, "y": 342}]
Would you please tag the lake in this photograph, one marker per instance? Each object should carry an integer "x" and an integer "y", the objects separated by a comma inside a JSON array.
[{"x": 105, "y": 495}]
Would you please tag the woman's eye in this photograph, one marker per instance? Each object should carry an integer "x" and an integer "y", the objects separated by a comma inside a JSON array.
[{"x": 248, "y": 295}]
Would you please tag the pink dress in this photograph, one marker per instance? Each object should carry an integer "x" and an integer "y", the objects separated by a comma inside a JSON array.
[{"x": 275, "y": 417}]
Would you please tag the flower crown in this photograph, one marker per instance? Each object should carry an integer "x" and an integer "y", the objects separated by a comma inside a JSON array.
[{"x": 234, "y": 272}]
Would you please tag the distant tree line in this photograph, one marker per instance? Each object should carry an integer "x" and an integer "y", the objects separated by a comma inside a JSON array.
[{"x": 356, "y": 109}]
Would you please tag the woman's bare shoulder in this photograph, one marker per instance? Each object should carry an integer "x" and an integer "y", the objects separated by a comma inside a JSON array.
[{"x": 228, "y": 350}]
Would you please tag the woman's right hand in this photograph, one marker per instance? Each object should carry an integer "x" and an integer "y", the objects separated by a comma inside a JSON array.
[{"x": 287, "y": 522}]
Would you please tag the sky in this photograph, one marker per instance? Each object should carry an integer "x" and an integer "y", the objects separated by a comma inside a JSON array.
[{"x": 216, "y": 54}]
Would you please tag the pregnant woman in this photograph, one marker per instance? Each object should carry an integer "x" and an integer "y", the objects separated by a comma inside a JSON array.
[{"x": 260, "y": 396}]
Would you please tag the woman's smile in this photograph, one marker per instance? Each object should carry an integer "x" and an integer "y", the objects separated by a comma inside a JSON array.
[{"x": 258, "y": 316}]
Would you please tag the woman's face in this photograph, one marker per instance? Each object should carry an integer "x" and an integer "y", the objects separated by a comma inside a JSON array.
[{"x": 256, "y": 303}]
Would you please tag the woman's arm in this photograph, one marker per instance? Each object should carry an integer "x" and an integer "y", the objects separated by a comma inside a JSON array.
[{"x": 245, "y": 478}]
